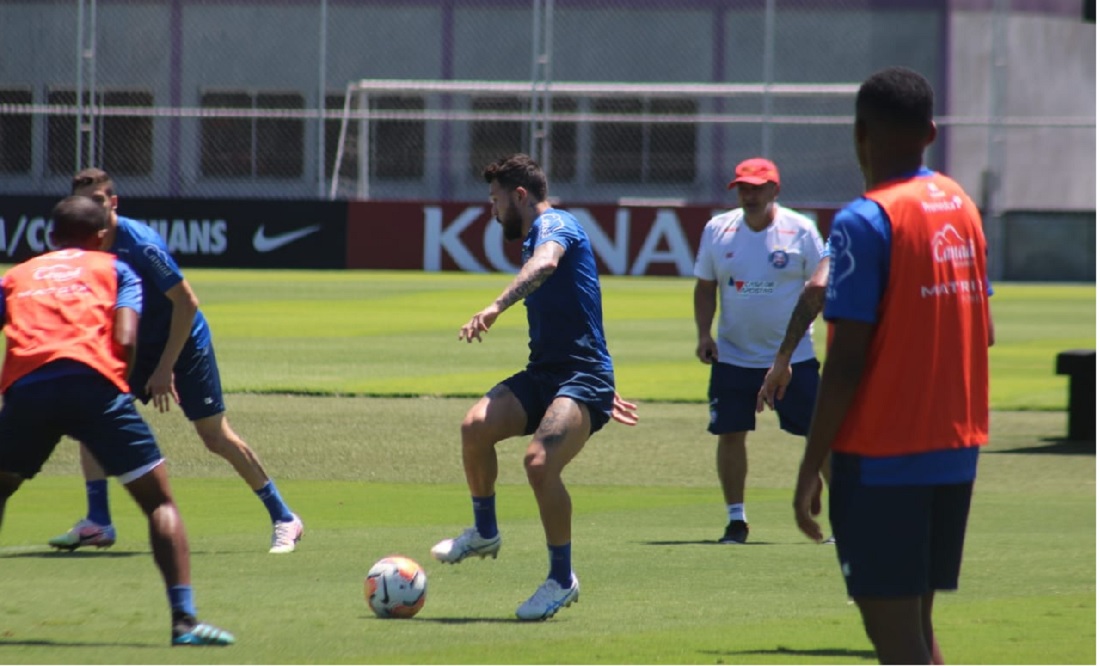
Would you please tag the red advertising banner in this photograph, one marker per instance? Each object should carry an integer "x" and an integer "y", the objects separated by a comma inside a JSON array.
[{"x": 431, "y": 236}]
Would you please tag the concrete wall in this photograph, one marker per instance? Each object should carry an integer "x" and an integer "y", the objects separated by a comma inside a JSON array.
[{"x": 1048, "y": 70}]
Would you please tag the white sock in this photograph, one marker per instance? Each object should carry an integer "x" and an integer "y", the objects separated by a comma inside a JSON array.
[{"x": 736, "y": 512}]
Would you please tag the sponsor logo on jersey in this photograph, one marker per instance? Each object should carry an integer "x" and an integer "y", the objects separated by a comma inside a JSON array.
[
  {"x": 158, "y": 260},
  {"x": 948, "y": 246},
  {"x": 752, "y": 287},
  {"x": 57, "y": 273},
  {"x": 946, "y": 206},
  {"x": 968, "y": 290}
]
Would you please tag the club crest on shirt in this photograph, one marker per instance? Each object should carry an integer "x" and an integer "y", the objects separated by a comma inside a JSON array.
[
  {"x": 779, "y": 258},
  {"x": 550, "y": 223}
]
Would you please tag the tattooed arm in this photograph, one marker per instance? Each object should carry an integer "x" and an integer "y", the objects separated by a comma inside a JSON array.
[
  {"x": 810, "y": 304},
  {"x": 535, "y": 271}
]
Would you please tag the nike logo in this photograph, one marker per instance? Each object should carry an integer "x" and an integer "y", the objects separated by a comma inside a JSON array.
[
  {"x": 264, "y": 243},
  {"x": 385, "y": 591}
]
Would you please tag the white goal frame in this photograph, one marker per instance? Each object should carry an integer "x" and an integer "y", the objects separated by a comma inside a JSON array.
[{"x": 540, "y": 121}]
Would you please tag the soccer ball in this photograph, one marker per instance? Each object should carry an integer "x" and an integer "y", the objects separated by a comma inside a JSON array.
[{"x": 395, "y": 587}]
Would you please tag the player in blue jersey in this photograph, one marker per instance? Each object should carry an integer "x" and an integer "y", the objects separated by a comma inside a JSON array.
[
  {"x": 175, "y": 363},
  {"x": 70, "y": 321},
  {"x": 566, "y": 393}
]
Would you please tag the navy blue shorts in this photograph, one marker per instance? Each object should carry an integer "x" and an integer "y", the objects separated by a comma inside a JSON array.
[
  {"x": 896, "y": 541},
  {"x": 536, "y": 389},
  {"x": 84, "y": 406},
  {"x": 197, "y": 381},
  {"x": 733, "y": 392}
]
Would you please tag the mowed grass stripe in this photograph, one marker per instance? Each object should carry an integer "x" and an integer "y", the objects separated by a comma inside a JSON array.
[
  {"x": 377, "y": 476},
  {"x": 396, "y": 333}
]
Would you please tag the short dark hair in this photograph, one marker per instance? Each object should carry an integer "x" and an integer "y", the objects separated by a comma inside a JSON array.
[
  {"x": 76, "y": 219},
  {"x": 93, "y": 176},
  {"x": 518, "y": 170},
  {"x": 898, "y": 97}
]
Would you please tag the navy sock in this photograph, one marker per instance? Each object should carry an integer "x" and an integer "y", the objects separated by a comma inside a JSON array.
[
  {"x": 269, "y": 495},
  {"x": 99, "y": 511},
  {"x": 485, "y": 515},
  {"x": 561, "y": 564},
  {"x": 181, "y": 599}
]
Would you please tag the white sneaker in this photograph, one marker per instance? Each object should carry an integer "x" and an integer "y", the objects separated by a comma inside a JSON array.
[
  {"x": 286, "y": 535},
  {"x": 549, "y": 598},
  {"x": 470, "y": 542}
]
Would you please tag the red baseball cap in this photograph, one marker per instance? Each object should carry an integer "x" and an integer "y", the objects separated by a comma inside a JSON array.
[{"x": 755, "y": 171}]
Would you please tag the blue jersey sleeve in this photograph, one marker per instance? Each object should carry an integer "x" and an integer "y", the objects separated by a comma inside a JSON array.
[
  {"x": 129, "y": 287},
  {"x": 555, "y": 227},
  {"x": 145, "y": 251},
  {"x": 859, "y": 245}
]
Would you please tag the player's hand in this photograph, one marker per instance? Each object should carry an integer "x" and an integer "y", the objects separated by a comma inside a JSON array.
[
  {"x": 161, "y": 387},
  {"x": 479, "y": 324},
  {"x": 807, "y": 502},
  {"x": 624, "y": 412},
  {"x": 774, "y": 386},
  {"x": 707, "y": 350}
]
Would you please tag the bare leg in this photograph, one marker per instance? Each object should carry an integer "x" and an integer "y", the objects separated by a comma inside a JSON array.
[
  {"x": 172, "y": 555},
  {"x": 496, "y": 417},
  {"x": 166, "y": 532},
  {"x": 90, "y": 466},
  {"x": 929, "y": 634},
  {"x": 560, "y": 437},
  {"x": 219, "y": 438},
  {"x": 896, "y": 628},
  {"x": 733, "y": 466}
]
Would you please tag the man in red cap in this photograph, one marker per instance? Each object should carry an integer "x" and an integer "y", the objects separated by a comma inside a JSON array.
[{"x": 752, "y": 264}]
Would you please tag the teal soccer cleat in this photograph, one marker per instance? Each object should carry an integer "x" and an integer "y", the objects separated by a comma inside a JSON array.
[{"x": 201, "y": 633}]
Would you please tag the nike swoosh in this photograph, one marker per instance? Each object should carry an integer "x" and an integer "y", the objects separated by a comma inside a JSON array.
[
  {"x": 263, "y": 243},
  {"x": 385, "y": 591}
]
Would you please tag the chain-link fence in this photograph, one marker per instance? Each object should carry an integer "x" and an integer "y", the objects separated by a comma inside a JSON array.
[{"x": 650, "y": 99}]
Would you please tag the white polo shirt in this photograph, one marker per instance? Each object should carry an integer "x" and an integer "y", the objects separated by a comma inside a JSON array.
[{"x": 760, "y": 275}]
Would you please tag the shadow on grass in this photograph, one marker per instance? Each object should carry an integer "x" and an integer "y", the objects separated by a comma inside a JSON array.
[
  {"x": 780, "y": 650},
  {"x": 80, "y": 555},
  {"x": 1057, "y": 445},
  {"x": 458, "y": 620},
  {"x": 30, "y": 642},
  {"x": 704, "y": 542}
]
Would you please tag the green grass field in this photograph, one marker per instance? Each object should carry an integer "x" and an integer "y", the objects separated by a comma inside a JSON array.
[{"x": 314, "y": 361}]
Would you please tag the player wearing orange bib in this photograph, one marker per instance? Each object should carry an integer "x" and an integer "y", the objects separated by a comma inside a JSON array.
[
  {"x": 904, "y": 398},
  {"x": 70, "y": 322}
]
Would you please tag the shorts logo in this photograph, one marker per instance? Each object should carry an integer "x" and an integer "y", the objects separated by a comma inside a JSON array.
[{"x": 779, "y": 259}]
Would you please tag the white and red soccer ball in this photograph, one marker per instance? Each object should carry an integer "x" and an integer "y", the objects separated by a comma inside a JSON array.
[{"x": 396, "y": 587}]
